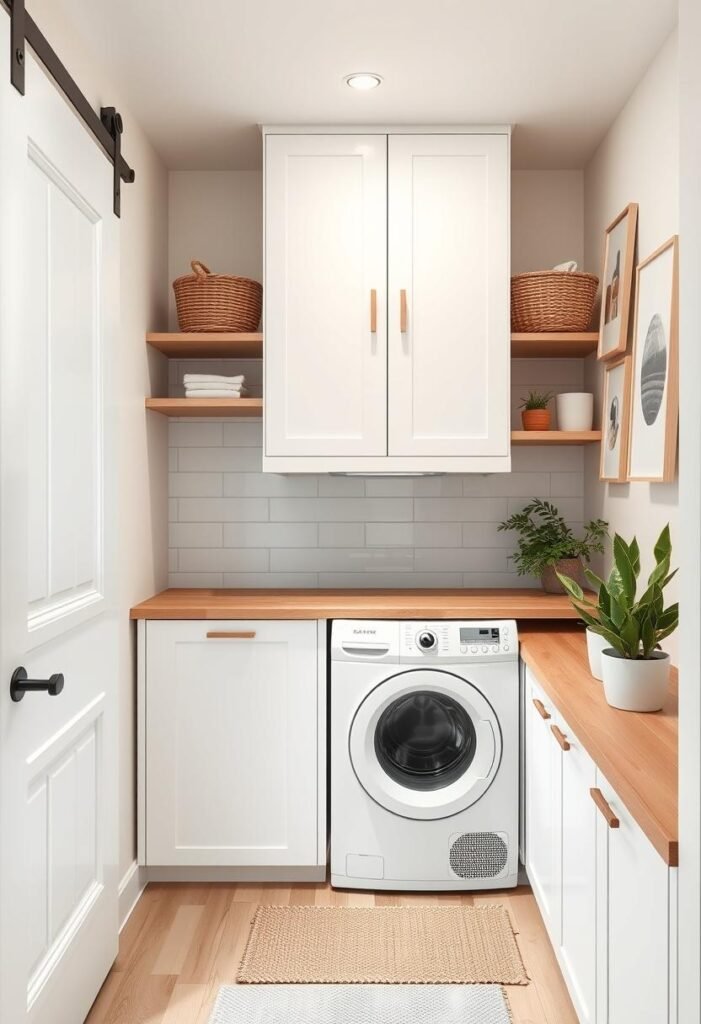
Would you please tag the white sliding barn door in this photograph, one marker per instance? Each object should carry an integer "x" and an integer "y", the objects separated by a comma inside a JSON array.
[
  {"x": 59, "y": 293},
  {"x": 448, "y": 295},
  {"x": 325, "y": 277}
]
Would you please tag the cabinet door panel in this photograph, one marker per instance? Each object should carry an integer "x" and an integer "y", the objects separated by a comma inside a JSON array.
[
  {"x": 543, "y": 810},
  {"x": 578, "y": 946},
  {"x": 231, "y": 744},
  {"x": 635, "y": 932},
  {"x": 448, "y": 248},
  {"x": 325, "y": 253}
]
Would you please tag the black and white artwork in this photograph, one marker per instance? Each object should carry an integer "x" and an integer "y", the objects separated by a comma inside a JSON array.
[
  {"x": 653, "y": 374},
  {"x": 617, "y": 278},
  {"x": 655, "y": 400},
  {"x": 614, "y": 428}
]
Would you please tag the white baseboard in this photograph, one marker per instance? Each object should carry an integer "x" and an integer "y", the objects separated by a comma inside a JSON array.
[
  {"x": 235, "y": 874},
  {"x": 130, "y": 889}
]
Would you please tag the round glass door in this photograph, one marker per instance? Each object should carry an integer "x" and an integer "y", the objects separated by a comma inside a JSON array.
[
  {"x": 425, "y": 740},
  {"x": 425, "y": 743}
]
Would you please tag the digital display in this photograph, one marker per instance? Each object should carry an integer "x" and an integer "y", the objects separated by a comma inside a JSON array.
[{"x": 479, "y": 635}]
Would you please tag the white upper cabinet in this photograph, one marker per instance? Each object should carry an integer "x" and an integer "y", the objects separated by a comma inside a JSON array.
[
  {"x": 448, "y": 295},
  {"x": 325, "y": 282},
  {"x": 386, "y": 320}
]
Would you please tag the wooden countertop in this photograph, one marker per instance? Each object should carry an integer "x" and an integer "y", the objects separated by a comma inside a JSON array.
[
  {"x": 354, "y": 604},
  {"x": 638, "y": 753}
]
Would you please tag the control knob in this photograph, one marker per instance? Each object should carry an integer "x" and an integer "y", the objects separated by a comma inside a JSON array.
[{"x": 427, "y": 640}]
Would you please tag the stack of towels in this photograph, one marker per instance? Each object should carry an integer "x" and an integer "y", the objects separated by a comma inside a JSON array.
[{"x": 213, "y": 385}]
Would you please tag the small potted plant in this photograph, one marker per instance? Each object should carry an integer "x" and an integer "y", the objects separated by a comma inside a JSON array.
[
  {"x": 535, "y": 414},
  {"x": 635, "y": 670},
  {"x": 547, "y": 545}
]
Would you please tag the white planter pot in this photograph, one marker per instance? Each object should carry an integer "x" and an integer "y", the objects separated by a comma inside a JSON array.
[
  {"x": 575, "y": 411},
  {"x": 635, "y": 685},
  {"x": 595, "y": 645}
]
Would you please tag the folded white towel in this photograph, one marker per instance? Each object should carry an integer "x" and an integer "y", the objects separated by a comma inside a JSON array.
[
  {"x": 216, "y": 393},
  {"x": 569, "y": 267},
  {"x": 219, "y": 385},
  {"x": 211, "y": 378}
]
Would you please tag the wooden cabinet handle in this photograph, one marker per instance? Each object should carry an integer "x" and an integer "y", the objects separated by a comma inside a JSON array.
[
  {"x": 236, "y": 634},
  {"x": 402, "y": 311},
  {"x": 540, "y": 708},
  {"x": 373, "y": 311},
  {"x": 605, "y": 808},
  {"x": 560, "y": 737}
]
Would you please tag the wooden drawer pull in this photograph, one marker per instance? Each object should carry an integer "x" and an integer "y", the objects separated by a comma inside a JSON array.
[
  {"x": 402, "y": 311},
  {"x": 373, "y": 311},
  {"x": 603, "y": 805},
  {"x": 241, "y": 634},
  {"x": 540, "y": 708},
  {"x": 560, "y": 737}
]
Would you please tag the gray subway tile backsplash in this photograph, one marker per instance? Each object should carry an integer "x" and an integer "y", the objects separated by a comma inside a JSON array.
[{"x": 233, "y": 526}]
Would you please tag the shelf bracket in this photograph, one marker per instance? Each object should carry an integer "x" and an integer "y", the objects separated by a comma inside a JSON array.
[{"x": 17, "y": 43}]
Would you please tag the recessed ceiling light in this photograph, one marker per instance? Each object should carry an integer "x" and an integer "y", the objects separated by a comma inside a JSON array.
[{"x": 363, "y": 80}]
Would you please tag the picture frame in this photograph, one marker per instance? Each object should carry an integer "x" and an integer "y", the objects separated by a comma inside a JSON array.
[
  {"x": 654, "y": 393},
  {"x": 615, "y": 420},
  {"x": 617, "y": 283}
]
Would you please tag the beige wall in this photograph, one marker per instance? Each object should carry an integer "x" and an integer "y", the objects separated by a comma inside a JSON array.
[
  {"x": 547, "y": 219},
  {"x": 142, "y": 440},
  {"x": 689, "y": 944},
  {"x": 216, "y": 217},
  {"x": 637, "y": 161}
]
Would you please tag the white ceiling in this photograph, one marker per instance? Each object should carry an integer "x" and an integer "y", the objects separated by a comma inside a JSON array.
[{"x": 201, "y": 74}]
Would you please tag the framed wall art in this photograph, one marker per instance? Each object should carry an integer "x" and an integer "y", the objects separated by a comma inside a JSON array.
[
  {"x": 615, "y": 420},
  {"x": 617, "y": 282},
  {"x": 654, "y": 399}
]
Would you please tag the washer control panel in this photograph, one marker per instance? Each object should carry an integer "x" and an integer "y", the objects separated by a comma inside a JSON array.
[{"x": 458, "y": 641}]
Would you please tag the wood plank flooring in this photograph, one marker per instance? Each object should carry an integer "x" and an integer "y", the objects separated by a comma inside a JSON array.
[{"x": 182, "y": 942}]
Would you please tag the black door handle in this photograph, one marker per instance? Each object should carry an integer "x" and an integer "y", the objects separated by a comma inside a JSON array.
[{"x": 19, "y": 684}]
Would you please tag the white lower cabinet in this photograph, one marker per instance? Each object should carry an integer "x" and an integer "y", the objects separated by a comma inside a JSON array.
[
  {"x": 636, "y": 919},
  {"x": 543, "y": 804},
  {"x": 232, "y": 744},
  {"x": 605, "y": 894}
]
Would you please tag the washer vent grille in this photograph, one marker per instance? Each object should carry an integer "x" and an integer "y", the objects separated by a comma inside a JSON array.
[{"x": 478, "y": 855}]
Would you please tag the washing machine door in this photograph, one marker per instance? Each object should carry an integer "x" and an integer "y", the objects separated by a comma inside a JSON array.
[{"x": 425, "y": 743}]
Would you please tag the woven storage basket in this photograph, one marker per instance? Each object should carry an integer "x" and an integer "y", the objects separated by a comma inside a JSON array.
[
  {"x": 552, "y": 300},
  {"x": 217, "y": 302}
]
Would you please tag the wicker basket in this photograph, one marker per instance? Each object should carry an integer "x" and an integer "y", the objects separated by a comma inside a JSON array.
[
  {"x": 217, "y": 302},
  {"x": 552, "y": 300}
]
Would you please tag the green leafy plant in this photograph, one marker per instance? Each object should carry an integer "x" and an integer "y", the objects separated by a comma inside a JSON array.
[
  {"x": 536, "y": 400},
  {"x": 545, "y": 538},
  {"x": 634, "y": 628}
]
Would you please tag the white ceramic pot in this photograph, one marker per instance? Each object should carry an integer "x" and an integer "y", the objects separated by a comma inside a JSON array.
[
  {"x": 635, "y": 684},
  {"x": 595, "y": 645},
  {"x": 575, "y": 411}
]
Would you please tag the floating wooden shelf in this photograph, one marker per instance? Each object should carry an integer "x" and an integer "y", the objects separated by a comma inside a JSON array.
[
  {"x": 206, "y": 406},
  {"x": 555, "y": 436},
  {"x": 189, "y": 345},
  {"x": 554, "y": 346}
]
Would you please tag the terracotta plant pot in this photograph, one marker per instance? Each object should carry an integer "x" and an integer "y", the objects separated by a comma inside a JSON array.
[
  {"x": 571, "y": 567},
  {"x": 635, "y": 684},
  {"x": 535, "y": 419}
]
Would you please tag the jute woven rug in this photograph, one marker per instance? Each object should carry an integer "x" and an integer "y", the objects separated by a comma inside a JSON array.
[{"x": 382, "y": 946}]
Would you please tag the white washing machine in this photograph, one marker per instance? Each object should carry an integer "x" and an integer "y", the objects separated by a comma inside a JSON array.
[{"x": 424, "y": 754}]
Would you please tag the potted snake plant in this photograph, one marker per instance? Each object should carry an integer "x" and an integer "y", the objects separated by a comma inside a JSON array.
[{"x": 635, "y": 669}]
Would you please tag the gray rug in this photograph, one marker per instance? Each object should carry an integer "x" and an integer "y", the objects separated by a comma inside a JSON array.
[{"x": 361, "y": 1004}]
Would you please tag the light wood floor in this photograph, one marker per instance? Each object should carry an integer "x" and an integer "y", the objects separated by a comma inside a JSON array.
[{"x": 183, "y": 941}]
